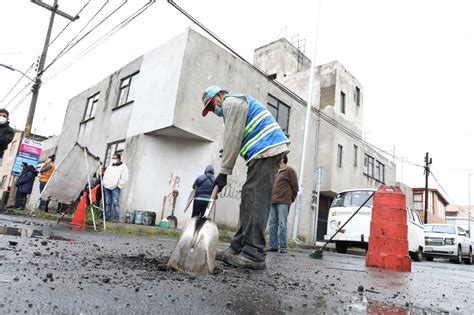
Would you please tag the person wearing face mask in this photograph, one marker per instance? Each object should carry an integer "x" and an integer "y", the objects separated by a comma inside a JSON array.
[
  {"x": 6, "y": 132},
  {"x": 251, "y": 132},
  {"x": 115, "y": 179}
]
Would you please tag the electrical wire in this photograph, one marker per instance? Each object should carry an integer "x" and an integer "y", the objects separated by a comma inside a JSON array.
[
  {"x": 71, "y": 45},
  {"x": 14, "y": 85},
  {"x": 67, "y": 25},
  {"x": 21, "y": 91},
  {"x": 115, "y": 29},
  {"x": 447, "y": 195}
]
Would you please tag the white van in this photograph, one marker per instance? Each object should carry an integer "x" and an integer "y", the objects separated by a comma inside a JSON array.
[{"x": 356, "y": 233}]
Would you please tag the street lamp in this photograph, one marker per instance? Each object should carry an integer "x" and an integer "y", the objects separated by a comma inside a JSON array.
[
  {"x": 13, "y": 69},
  {"x": 469, "y": 203}
]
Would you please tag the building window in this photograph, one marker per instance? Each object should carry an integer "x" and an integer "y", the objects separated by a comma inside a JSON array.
[
  {"x": 418, "y": 202},
  {"x": 339, "y": 155},
  {"x": 116, "y": 147},
  {"x": 357, "y": 96},
  {"x": 280, "y": 111},
  {"x": 343, "y": 102},
  {"x": 127, "y": 89},
  {"x": 356, "y": 149},
  {"x": 379, "y": 171},
  {"x": 91, "y": 106},
  {"x": 369, "y": 165}
]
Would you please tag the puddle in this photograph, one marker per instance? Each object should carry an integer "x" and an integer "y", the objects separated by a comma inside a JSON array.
[{"x": 32, "y": 233}]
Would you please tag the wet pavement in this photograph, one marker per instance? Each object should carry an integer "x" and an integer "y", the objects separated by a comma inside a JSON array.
[{"x": 48, "y": 268}]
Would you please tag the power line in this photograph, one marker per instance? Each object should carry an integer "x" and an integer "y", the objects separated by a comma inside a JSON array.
[
  {"x": 115, "y": 29},
  {"x": 69, "y": 46},
  {"x": 24, "y": 88},
  {"x": 14, "y": 85},
  {"x": 67, "y": 25},
  {"x": 447, "y": 195}
]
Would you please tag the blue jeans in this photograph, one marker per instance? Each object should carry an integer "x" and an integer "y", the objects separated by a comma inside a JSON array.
[
  {"x": 43, "y": 203},
  {"x": 112, "y": 198},
  {"x": 278, "y": 223}
]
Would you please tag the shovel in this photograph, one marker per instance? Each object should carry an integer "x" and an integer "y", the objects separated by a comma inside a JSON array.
[{"x": 195, "y": 251}]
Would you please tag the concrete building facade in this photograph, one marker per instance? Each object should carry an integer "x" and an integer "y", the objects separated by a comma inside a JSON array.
[
  {"x": 150, "y": 111},
  {"x": 436, "y": 204}
]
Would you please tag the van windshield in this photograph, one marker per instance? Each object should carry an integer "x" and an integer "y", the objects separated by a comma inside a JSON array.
[{"x": 353, "y": 199}]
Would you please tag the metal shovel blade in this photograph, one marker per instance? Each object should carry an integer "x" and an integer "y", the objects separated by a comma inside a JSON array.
[{"x": 195, "y": 251}]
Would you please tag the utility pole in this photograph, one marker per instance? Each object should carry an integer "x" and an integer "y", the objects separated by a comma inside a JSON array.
[
  {"x": 36, "y": 86},
  {"x": 428, "y": 162}
]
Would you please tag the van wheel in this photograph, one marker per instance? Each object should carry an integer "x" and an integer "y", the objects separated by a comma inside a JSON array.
[
  {"x": 468, "y": 259},
  {"x": 341, "y": 248},
  {"x": 418, "y": 255}
]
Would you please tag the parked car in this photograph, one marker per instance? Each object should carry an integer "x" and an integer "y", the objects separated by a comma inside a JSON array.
[
  {"x": 356, "y": 233},
  {"x": 447, "y": 241}
]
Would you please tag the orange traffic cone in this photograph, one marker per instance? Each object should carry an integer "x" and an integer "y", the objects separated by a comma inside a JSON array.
[
  {"x": 79, "y": 217},
  {"x": 94, "y": 194}
]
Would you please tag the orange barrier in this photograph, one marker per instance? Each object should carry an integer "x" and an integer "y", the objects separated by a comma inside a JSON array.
[
  {"x": 79, "y": 217},
  {"x": 388, "y": 242}
]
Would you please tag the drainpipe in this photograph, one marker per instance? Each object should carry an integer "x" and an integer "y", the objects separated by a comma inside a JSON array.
[{"x": 312, "y": 69}]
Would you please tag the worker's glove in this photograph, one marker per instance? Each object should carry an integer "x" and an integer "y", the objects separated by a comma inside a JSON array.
[{"x": 221, "y": 181}]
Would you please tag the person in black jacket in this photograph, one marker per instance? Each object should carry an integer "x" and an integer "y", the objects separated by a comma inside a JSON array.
[
  {"x": 6, "y": 132},
  {"x": 24, "y": 184}
]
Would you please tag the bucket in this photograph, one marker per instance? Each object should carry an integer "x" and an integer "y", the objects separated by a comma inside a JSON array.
[
  {"x": 130, "y": 216},
  {"x": 147, "y": 218},
  {"x": 139, "y": 217},
  {"x": 164, "y": 223}
]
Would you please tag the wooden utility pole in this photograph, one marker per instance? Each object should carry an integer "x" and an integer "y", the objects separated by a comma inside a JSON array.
[
  {"x": 36, "y": 86},
  {"x": 428, "y": 162}
]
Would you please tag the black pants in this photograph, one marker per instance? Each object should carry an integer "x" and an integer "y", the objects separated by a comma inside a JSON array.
[
  {"x": 20, "y": 199},
  {"x": 199, "y": 208},
  {"x": 256, "y": 199}
]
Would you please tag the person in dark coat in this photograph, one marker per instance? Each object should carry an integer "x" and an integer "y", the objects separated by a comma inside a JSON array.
[
  {"x": 203, "y": 186},
  {"x": 24, "y": 184},
  {"x": 6, "y": 132}
]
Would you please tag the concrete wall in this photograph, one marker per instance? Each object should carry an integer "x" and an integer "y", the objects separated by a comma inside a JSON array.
[{"x": 281, "y": 58}]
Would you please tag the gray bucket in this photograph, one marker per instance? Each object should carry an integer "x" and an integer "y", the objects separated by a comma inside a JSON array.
[
  {"x": 147, "y": 218},
  {"x": 139, "y": 217},
  {"x": 130, "y": 216}
]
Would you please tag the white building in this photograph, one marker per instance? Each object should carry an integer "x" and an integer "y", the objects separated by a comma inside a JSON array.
[{"x": 150, "y": 111}]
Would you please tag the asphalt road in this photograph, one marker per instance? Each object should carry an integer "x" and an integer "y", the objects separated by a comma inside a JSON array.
[{"x": 53, "y": 269}]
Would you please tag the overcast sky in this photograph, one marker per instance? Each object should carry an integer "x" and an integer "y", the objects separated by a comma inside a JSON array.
[{"x": 414, "y": 59}]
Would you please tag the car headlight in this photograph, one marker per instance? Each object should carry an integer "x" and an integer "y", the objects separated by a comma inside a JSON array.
[
  {"x": 334, "y": 224},
  {"x": 449, "y": 241}
]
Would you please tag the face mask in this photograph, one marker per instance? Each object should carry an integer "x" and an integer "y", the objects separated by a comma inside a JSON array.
[
  {"x": 114, "y": 161},
  {"x": 218, "y": 111},
  {"x": 2, "y": 120}
]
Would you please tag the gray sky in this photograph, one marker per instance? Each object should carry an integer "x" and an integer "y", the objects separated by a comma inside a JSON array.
[{"x": 414, "y": 59}]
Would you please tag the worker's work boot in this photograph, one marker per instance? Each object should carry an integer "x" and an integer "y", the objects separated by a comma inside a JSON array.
[
  {"x": 221, "y": 254},
  {"x": 240, "y": 261}
]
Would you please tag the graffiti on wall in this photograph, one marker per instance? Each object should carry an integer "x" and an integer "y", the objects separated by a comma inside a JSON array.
[{"x": 233, "y": 190}]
